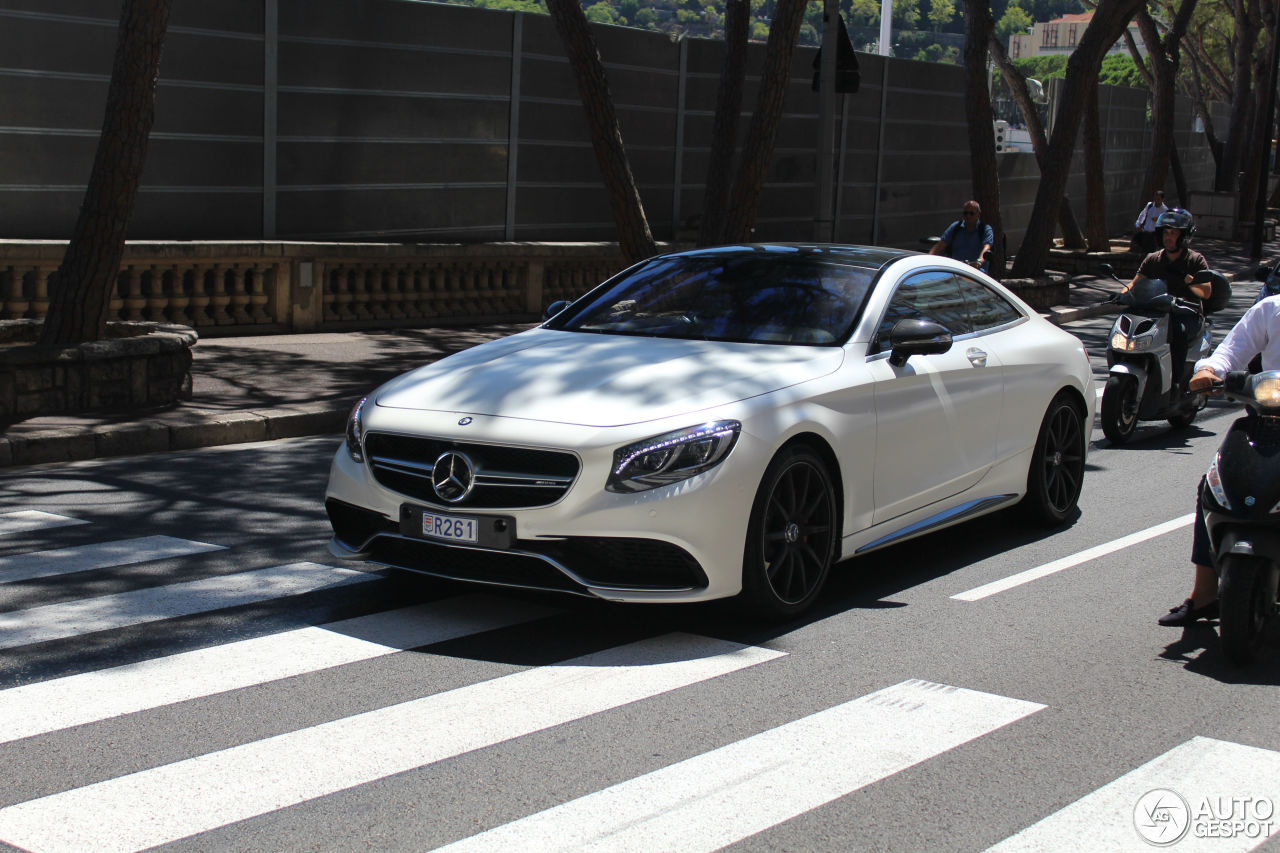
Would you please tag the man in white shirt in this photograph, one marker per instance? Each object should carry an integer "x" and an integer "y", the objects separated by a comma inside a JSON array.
[
  {"x": 1257, "y": 332},
  {"x": 1146, "y": 223}
]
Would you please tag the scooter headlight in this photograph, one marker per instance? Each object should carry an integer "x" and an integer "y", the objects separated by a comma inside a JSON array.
[
  {"x": 1214, "y": 480},
  {"x": 1266, "y": 389},
  {"x": 1122, "y": 342}
]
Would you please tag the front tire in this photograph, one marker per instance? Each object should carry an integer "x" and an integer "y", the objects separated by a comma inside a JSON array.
[
  {"x": 1120, "y": 408},
  {"x": 1247, "y": 594},
  {"x": 792, "y": 535},
  {"x": 1056, "y": 473}
]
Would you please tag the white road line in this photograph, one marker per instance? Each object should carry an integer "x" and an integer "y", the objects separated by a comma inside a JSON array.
[
  {"x": 1074, "y": 560},
  {"x": 124, "y": 552},
  {"x": 84, "y": 616},
  {"x": 174, "y": 801},
  {"x": 1207, "y": 774},
  {"x": 77, "y": 699},
  {"x": 723, "y": 796},
  {"x": 26, "y": 520}
]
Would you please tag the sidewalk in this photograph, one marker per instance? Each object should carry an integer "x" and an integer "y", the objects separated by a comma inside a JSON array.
[{"x": 279, "y": 386}]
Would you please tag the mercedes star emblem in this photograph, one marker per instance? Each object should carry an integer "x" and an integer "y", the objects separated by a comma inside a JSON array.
[
  {"x": 453, "y": 476},
  {"x": 464, "y": 421}
]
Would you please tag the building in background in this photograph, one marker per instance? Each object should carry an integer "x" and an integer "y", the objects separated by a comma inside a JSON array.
[{"x": 1060, "y": 36}]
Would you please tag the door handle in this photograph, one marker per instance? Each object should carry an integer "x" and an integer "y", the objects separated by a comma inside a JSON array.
[{"x": 977, "y": 357}]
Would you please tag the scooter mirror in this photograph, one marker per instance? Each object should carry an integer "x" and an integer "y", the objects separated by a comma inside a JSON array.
[{"x": 1107, "y": 269}]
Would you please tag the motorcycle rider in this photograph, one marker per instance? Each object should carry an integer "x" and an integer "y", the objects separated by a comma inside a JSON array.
[
  {"x": 1176, "y": 264},
  {"x": 1256, "y": 333}
]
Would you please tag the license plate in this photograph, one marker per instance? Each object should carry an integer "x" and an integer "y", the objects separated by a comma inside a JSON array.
[{"x": 450, "y": 528}]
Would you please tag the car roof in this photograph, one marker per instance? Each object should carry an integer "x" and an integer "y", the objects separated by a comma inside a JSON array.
[{"x": 868, "y": 257}]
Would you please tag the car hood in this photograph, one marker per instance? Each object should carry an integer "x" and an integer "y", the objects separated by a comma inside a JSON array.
[{"x": 602, "y": 380}]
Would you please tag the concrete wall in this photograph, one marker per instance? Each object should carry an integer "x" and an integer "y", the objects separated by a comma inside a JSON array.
[{"x": 411, "y": 121}]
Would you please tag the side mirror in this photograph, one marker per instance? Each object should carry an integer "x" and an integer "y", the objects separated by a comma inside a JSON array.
[
  {"x": 555, "y": 308},
  {"x": 916, "y": 337},
  {"x": 1107, "y": 269}
]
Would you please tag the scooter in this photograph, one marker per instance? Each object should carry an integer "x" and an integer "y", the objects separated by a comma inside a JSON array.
[
  {"x": 1240, "y": 499},
  {"x": 1142, "y": 383}
]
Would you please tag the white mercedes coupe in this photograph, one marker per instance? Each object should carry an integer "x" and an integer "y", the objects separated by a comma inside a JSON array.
[{"x": 720, "y": 422}]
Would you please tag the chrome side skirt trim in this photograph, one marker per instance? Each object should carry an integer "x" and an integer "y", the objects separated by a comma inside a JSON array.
[{"x": 950, "y": 516}]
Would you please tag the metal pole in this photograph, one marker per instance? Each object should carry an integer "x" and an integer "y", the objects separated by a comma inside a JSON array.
[
  {"x": 886, "y": 26},
  {"x": 1264, "y": 146},
  {"x": 822, "y": 221}
]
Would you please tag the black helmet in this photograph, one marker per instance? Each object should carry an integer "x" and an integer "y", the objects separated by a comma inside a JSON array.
[{"x": 1180, "y": 219}]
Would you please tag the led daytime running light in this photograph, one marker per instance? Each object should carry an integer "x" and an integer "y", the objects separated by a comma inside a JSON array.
[
  {"x": 355, "y": 431},
  {"x": 672, "y": 457}
]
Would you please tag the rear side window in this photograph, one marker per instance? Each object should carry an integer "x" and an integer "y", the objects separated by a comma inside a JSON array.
[
  {"x": 934, "y": 295},
  {"x": 987, "y": 309}
]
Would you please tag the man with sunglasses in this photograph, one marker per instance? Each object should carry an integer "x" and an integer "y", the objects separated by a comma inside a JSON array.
[{"x": 968, "y": 239}]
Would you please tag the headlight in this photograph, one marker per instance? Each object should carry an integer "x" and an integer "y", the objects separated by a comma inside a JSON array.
[
  {"x": 1266, "y": 390},
  {"x": 1215, "y": 485},
  {"x": 1121, "y": 341},
  {"x": 355, "y": 431},
  {"x": 670, "y": 458}
]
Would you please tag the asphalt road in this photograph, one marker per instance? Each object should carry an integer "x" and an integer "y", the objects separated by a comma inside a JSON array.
[{"x": 987, "y": 685}]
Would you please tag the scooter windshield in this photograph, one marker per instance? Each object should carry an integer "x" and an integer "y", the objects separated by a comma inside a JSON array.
[{"x": 1147, "y": 290}]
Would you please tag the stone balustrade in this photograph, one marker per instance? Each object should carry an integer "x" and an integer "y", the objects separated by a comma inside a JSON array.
[{"x": 245, "y": 288}]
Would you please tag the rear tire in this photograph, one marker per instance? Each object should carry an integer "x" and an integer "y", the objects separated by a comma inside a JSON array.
[
  {"x": 792, "y": 537},
  {"x": 1056, "y": 473},
  {"x": 1120, "y": 408},
  {"x": 1247, "y": 601}
]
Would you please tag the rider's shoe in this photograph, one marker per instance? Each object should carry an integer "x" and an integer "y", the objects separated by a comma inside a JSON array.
[{"x": 1185, "y": 614}]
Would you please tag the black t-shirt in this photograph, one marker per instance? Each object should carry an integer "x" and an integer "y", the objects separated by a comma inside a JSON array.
[{"x": 1174, "y": 272}]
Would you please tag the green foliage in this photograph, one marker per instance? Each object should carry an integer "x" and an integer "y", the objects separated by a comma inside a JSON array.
[
  {"x": 629, "y": 10},
  {"x": 941, "y": 13},
  {"x": 1043, "y": 67},
  {"x": 1118, "y": 69},
  {"x": 535, "y": 6},
  {"x": 759, "y": 31},
  {"x": 684, "y": 16},
  {"x": 601, "y": 13},
  {"x": 932, "y": 53},
  {"x": 1014, "y": 20},
  {"x": 809, "y": 35},
  {"x": 646, "y": 18}
]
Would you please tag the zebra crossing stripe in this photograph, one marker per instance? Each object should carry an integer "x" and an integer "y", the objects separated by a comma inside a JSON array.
[
  {"x": 27, "y": 520},
  {"x": 173, "y": 801},
  {"x": 84, "y": 616},
  {"x": 124, "y": 552},
  {"x": 1213, "y": 778},
  {"x": 77, "y": 699},
  {"x": 721, "y": 797}
]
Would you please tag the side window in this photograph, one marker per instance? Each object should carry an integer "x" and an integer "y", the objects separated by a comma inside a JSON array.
[
  {"x": 987, "y": 309},
  {"x": 933, "y": 295}
]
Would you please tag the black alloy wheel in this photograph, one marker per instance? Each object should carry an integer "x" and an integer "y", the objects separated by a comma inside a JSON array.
[
  {"x": 1247, "y": 597},
  {"x": 1120, "y": 408},
  {"x": 793, "y": 535},
  {"x": 1056, "y": 473}
]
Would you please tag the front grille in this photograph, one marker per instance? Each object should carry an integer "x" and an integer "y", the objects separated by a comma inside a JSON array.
[
  {"x": 505, "y": 477},
  {"x": 470, "y": 564},
  {"x": 353, "y": 525},
  {"x": 637, "y": 564},
  {"x": 627, "y": 563}
]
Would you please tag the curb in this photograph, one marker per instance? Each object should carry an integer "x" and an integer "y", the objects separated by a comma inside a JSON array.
[{"x": 171, "y": 431}]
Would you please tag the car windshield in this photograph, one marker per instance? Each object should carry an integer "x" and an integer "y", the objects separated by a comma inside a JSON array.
[{"x": 762, "y": 297}]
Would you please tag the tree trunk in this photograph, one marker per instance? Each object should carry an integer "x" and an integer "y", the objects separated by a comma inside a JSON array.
[
  {"x": 1095, "y": 197},
  {"x": 715, "y": 204},
  {"x": 757, "y": 151},
  {"x": 634, "y": 236},
  {"x": 80, "y": 290},
  {"x": 1248, "y": 24},
  {"x": 1072, "y": 238},
  {"x": 1109, "y": 20},
  {"x": 979, "y": 25},
  {"x": 1164, "y": 55}
]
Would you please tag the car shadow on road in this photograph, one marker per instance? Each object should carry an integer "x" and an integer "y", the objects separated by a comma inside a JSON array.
[{"x": 1199, "y": 650}]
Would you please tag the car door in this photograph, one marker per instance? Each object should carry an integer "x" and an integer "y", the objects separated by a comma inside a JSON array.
[{"x": 937, "y": 416}]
